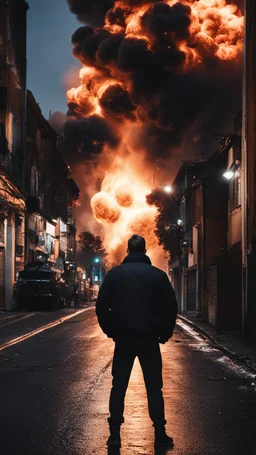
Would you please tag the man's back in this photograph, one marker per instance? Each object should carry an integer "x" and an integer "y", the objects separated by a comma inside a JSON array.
[{"x": 137, "y": 293}]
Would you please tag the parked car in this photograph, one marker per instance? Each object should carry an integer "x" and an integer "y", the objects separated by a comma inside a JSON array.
[{"x": 38, "y": 287}]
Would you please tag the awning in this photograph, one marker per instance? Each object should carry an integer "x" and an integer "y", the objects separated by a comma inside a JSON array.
[{"x": 10, "y": 195}]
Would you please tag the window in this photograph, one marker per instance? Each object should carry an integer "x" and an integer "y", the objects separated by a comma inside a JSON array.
[
  {"x": 34, "y": 181},
  {"x": 2, "y": 129},
  {"x": 1, "y": 230},
  {"x": 3, "y": 141},
  {"x": 235, "y": 191},
  {"x": 231, "y": 156},
  {"x": 38, "y": 275},
  {"x": 10, "y": 43},
  {"x": 9, "y": 130},
  {"x": 239, "y": 200}
]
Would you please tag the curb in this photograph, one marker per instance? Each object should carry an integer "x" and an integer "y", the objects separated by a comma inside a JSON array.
[{"x": 233, "y": 355}]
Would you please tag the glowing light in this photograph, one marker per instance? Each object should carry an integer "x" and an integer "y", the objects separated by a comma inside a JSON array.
[
  {"x": 229, "y": 174},
  {"x": 168, "y": 188}
]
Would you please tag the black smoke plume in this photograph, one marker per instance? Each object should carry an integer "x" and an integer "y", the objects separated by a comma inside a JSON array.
[
  {"x": 85, "y": 138},
  {"x": 94, "y": 11},
  {"x": 170, "y": 103}
]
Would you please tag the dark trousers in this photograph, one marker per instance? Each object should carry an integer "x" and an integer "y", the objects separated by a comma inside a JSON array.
[{"x": 149, "y": 355}]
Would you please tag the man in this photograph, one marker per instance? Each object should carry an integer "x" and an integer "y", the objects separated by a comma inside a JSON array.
[{"x": 137, "y": 307}]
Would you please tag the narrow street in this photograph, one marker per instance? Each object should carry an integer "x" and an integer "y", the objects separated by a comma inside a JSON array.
[{"x": 55, "y": 386}]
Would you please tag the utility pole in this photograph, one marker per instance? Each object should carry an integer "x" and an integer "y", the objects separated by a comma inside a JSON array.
[{"x": 248, "y": 175}]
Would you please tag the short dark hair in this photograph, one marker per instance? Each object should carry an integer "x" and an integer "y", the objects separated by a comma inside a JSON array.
[{"x": 136, "y": 244}]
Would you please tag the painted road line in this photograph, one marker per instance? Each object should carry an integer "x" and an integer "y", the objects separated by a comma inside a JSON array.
[
  {"x": 11, "y": 317},
  {"x": 16, "y": 319},
  {"x": 41, "y": 329}
]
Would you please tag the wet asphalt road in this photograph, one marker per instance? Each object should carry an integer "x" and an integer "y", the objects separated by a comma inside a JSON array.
[{"x": 54, "y": 391}]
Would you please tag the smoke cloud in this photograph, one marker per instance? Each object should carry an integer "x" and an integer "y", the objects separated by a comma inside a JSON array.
[
  {"x": 162, "y": 66},
  {"x": 86, "y": 137},
  {"x": 158, "y": 81}
]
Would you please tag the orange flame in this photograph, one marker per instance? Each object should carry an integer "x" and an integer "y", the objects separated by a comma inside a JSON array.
[{"x": 121, "y": 207}]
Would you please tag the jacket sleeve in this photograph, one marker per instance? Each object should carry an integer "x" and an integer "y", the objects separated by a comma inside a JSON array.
[
  {"x": 169, "y": 310},
  {"x": 103, "y": 307}
]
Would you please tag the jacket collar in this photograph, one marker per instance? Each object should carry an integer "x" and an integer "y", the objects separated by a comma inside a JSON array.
[{"x": 137, "y": 257}]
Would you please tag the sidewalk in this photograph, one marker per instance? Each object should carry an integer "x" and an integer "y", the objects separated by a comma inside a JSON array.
[{"x": 231, "y": 343}]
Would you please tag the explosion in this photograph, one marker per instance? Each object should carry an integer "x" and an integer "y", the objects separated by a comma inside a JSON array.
[
  {"x": 121, "y": 208},
  {"x": 144, "y": 223},
  {"x": 124, "y": 194},
  {"x": 104, "y": 208},
  {"x": 153, "y": 75},
  {"x": 146, "y": 52}
]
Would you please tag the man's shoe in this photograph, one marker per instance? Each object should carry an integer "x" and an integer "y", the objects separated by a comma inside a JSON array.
[
  {"x": 162, "y": 439},
  {"x": 114, "y": 439}
]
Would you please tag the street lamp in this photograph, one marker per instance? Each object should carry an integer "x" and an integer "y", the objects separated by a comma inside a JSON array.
[
  {"x": 229, "y": 174},
  {"x": 168, "y": 189}
]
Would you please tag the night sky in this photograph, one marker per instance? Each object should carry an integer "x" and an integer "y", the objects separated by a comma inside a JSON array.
[{"x": 49, "y": 52}]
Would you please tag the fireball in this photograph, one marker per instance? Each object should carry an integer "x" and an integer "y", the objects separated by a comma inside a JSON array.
[
  {"x": 105, "y": 209},
  {"x": 124, "y": 195}
]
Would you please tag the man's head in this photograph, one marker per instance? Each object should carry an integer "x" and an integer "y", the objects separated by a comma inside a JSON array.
[{"x": 136, "y": 244}]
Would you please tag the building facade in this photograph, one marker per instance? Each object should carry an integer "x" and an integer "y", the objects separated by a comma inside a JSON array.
[
  {"x": 206, "y": 267},
  {"x": 51, "y": 195},
  {"x": 223, "y": 233},
  {"x": 12, "y": 145},
  {"x": 37, "y": 194},
  {"x": 185, "y": 253}
]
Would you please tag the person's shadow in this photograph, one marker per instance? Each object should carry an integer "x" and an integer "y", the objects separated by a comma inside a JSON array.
[{"x": 158, "y": 450}]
